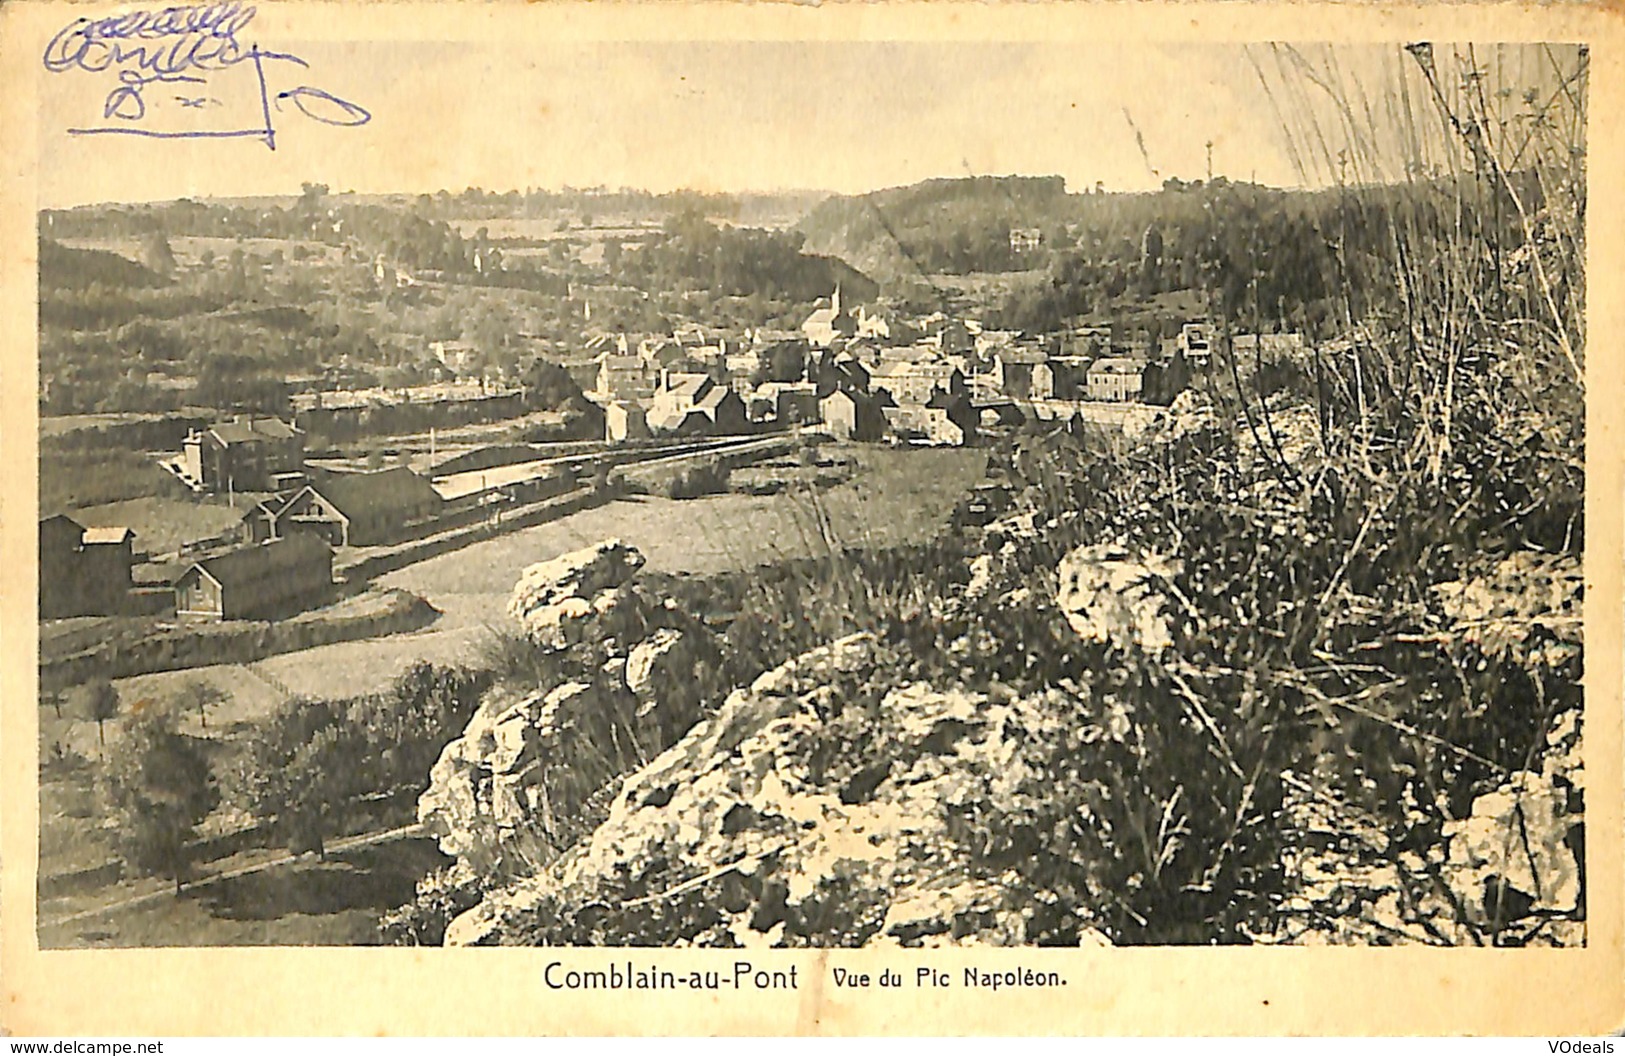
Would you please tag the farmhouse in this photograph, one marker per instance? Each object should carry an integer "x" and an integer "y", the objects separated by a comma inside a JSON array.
[
  {"x": 840, "y": 372},
  {"x": 624, "y": 377},
  {"x": 361, "y": 509},
  {"x": 661, "y": 352},
  {"x": 719, "y": 412},
  {"x": 693, "y": 403},
  {"x": 1069, "y": 376},
  {"x": 259, "y": 521},
  {"x": 1115, "y": 379},
  {"x": 989, "y": 342},
  {"x": 763, "y": 338},
  {"x": 949, "y": 423},
  {"x": 675, "y": 397},
  {"x": 247, "y": 453},
  {"x": 1023, "y": 373},
  {"x": 263, "y": 581},
  {"x": 880, "y": 327},
  {"x": 955, "y": 338},
  {"x": 742, "y": 366},
  {"x": 83, "y": 571},
  {"x": 793, "y": 401}
]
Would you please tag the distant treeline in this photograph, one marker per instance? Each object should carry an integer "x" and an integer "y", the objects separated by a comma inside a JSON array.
[{"x": 1262, "y": 254}]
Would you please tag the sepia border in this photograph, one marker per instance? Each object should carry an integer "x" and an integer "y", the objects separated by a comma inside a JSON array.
[{"x": 410, "y": 992}]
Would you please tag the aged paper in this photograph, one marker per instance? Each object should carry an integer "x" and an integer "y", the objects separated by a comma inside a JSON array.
[{"x": 868, "y": 518}]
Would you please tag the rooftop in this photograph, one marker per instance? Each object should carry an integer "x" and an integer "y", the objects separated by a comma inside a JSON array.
[
  {"x": 1117, "y": 365},
  {"x": 253, "y": 429},
  {"x": 108, "y": 536},
  {"x": 387, "y": 490},
  {"x": 250, "y": 564}
]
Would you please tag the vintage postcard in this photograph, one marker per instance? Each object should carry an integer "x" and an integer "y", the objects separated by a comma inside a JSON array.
[{"x": 885, "y": 518}]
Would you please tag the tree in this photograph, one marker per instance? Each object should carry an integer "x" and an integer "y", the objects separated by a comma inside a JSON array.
[
  {"x": 549, "y": 385},
  {"x": 199, "y": 696},
  {"x": 324, "y": 777},
  {"x": 785, "y": 362},
  {"x": 310, "y": 197},
  {"x": 157, "y": 789},
  {"x": 97, "y": 701},
  {"x": 263, "y": 781}
]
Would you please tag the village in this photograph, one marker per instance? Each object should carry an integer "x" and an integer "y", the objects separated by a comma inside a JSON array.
[
  {"x": 852, "y": 373},
  {"x": 319, "y": 484},
  {"x": 1133, "y": 547}
]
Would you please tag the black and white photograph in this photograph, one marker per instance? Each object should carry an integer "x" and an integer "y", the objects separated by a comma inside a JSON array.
[{"x": 767, "y": 494}]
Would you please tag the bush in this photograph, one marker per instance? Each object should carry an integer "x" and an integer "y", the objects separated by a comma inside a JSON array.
[
  {"x": 311, "y": 765},
  {"x": 693, "y": 481},
  {"x": 158, "y": 786}
]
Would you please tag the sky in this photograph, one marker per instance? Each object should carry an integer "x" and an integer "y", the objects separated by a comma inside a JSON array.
[{"x": 841, "y": 116}]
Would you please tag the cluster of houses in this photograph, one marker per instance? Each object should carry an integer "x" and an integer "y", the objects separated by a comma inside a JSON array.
[
  {"x": 90, "y": 572},
  {"x": 858, "y": 375},
  {"x": 279, "y": 558},
  {"x": 870, "y": 376},
  {"x": 853, "y": 373}
]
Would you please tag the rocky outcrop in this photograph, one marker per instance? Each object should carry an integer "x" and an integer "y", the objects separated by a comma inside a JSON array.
[
  {"x": 655, "y": 665},
  {"x": 818, "y": 806},
  {"x": 1511, "y": 856},
  {"x": 515, "y": 787},
  {"x": 578, "y": 595},
  {"x": 1113, "y": 597},
  {"x": 489, "y": 792}
]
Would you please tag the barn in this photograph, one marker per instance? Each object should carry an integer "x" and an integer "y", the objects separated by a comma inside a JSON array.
[
  {"x": 362, "y": 509},
  {"x": 263, "y": 581}
]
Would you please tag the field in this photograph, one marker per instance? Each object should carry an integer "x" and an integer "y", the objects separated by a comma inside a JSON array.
[
  {"x": 500, "y": 228},
  {"x": 895, "y": 497},
  {"x": 92, "y": 478}
]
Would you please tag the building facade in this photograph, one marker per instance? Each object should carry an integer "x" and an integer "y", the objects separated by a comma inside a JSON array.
[
  {"x": 83, "y": 571},
  {"x": 247, "y": 453},
  {"x": 263, "y": 581}
]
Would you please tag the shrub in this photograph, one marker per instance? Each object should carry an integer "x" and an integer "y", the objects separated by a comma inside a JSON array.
[{"x": 157, "y": 787}]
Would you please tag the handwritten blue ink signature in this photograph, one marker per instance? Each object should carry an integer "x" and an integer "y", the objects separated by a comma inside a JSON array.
[{"x": 180, "y": 46}]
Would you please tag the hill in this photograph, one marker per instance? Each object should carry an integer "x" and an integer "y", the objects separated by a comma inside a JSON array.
[
  {"x": 64, "y": 267},
  {"x": 940, "y": 225}
]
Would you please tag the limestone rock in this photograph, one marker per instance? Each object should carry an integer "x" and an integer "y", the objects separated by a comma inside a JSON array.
[
  {"x": 1512, "y": 852},
  {"x": 577, "y": 595},
  {"x": 650, "y": 668},
  {"x": 487, "y": 784},
  {"x": 1114, "y": 597},
  {"x": 822, "y": 805}
]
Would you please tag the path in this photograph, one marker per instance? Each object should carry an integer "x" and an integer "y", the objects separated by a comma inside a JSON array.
[{"x": 349, "y": 843}]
